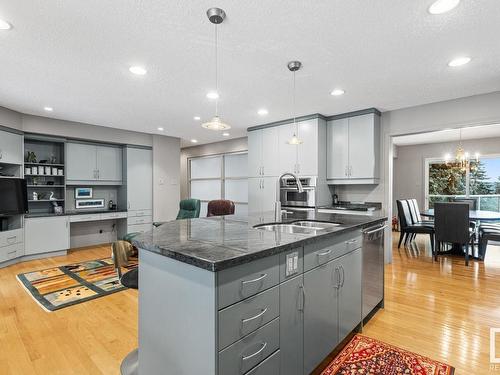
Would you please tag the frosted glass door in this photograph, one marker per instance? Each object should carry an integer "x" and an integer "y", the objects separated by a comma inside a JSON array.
[
  {"x": 206, "y": 190},
  {"x": 237, "y": 190},
  {"x": 236, "y": 165},
  {"x": 206, "y": 167}
]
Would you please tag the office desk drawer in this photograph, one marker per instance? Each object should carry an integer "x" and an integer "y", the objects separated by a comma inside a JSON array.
[
  {"x": 139, "y": 220},
  {"x": 11, "y": 252},
  {"x": 80, "y": 218},
  {"x": 10, "y": 237},
  {"x": 113, "y": 215}
]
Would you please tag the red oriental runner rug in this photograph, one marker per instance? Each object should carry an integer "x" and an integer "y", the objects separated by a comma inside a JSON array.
[{"x": 364, "y": 355}]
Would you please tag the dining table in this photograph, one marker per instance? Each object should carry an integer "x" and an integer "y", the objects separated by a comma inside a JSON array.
[{"x": 474, "y": 215}]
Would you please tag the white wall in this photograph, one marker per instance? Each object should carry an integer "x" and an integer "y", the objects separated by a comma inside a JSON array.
[
  {"x": 166, "y": 181},
  {"x": 10, "y": 119},
  {"x": 231, "y": 145},
  {"x": 409, "y": 165}
]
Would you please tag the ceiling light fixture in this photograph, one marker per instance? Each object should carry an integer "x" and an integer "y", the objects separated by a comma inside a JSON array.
[
  {"x": 216, "y": 16},
  {"x": 293, "y": 66},
  {"x": 443, "y": 6},
  {"x": 4, "y": 25},
  {"x": 462, "y": 157},
  {"x": 196, "y": 118},
  {"x": 459, "y": 61},
  {"x": 161, "y": 129},
  {"x": 138, "y": 70},
  {"x": 337, "y": 92},
  {"x": 194, "y": 141},
  {"x": 48, "y": 109},
  {"x": 225, "y": 134},
  {"x": 262, "y": 112}
]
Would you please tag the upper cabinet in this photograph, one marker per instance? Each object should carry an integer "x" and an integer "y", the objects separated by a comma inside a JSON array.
[
  {"x": 263, "y": 152},
  {"x": 353, "y": 150},
  {"x": 139, "y": 178},
  {"x": 101, "y": 165},
  {"x": 11, "y": 148},
  {"x": 270, "y": 154}
]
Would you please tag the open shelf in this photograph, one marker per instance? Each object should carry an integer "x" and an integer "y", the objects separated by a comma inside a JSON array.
[
  {"x": 44, "y": 164},
  {"x": 44, "y": 175},
  {"x": 45, "y": 186},
  {"x": 45, "y": 200}
]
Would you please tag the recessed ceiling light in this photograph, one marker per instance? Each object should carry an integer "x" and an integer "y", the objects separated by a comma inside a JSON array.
[
  {"x": 443, "y": 6},
  {"x": 197, "y": 118},
  {"x": 48, "y": 109},
  {"x": 139, "y": 70},
  {"x": 459, "y": 61},
  {"x": 225, "y": 134},
  {"x": 160, "y": 129},
  {"x": 262, "y": 112},
  {"x": 194, "y": 141},
  {"x": 337, "y": 92},
  {"x": 4, "y": 25},
  {"x": 213, "y": 95}
]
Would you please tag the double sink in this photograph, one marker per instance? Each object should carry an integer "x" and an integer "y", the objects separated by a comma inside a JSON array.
[{"x": 299, "y": 227}]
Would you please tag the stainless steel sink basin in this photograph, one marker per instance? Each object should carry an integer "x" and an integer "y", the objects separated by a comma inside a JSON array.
[{"x": 298, "y": 227}]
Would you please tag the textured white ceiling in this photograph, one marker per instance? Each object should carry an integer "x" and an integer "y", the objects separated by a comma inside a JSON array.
[
  {"x": 74, "y": 56},
  {"x": 449, "y": 135}
]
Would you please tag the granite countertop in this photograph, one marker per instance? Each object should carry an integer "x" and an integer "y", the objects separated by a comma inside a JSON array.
[
  {"x": 222, "y": 242},
  {"x": 70, "y": 213}
]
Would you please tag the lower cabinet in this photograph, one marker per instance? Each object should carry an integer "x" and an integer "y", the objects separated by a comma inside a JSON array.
[
  {"x": 350, "y": 300},
  {"x": 292, "y": 300},
  {"x": 46, "y": 234}
]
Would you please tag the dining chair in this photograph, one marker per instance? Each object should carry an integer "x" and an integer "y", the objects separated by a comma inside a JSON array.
[
  {"x": 472, "y": 202},
  {"x": 220, "y": 207},
  {"x": 415, "y": 215},
  {"x": 451, "y": 224},
  {"x": 408, "y": 228},
  {"x": 487, "y": 232}
]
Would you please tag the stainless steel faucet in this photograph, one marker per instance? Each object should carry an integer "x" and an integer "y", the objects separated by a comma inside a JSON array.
[{"x": 277, "y": 204}]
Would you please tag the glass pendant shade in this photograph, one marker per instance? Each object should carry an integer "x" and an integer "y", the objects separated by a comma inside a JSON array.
[
  {"x": 294, "y": 140},
  {"x": 216, "y": 124}
]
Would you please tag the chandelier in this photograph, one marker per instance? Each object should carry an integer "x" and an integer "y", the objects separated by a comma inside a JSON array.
[{"x": 463, "y": 158}]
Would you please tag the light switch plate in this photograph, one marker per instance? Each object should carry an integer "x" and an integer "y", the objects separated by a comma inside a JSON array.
[{"x": 292, "y": 263}]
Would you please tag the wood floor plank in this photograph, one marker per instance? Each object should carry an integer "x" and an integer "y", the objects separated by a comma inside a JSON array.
[{"x": 442, "y": 310}]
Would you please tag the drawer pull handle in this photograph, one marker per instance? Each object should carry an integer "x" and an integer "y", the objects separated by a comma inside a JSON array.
[
  {"x": 254, "y": 317},
  {"x": 262, "y": 277},
  {"x": 325, "y": 253},
  {"x": 263, "y": 346},
  {"x": 11, "y": 239}
]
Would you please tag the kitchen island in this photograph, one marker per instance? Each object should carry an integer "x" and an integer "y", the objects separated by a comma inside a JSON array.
[{"x": 220, "y": 296}]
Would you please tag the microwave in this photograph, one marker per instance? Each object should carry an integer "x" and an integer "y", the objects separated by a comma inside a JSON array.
[{"x": 290, "y": 196}]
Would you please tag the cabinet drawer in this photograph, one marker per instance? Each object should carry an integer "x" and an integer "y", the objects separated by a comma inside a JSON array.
[
  {"x": 135, "y": 213},
  {"x": 270, "y": 366},
  {"x": 246, "y": 316},
  {"x": 240, "y": 282},
  {"x": 325, "y": 250},
  {"x": 113, "y": 215},
  {"x": 139, "y": 228},
  {"x": 11, "y": 251},
  {"x": 140, "y": 220},
  {"x": 80, "y": 218},
  {"x": 250, "y": 351},
  {"x": 11, "y": 237}
]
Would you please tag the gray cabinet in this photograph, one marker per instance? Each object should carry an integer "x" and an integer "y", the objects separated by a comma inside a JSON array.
[
  {"x": 353, "y": 149},
  {"x": 321, "y": 330},
  {"x": 93, "y": 163},
  {"x": 139, "y": 178},
  {"x": 292, "y": 300},
  {"x": 46, "y": 234},
  {"x": 263, "y": 152},
  {"x": 350, "y": 296},
  {"x": 11, "y": 148}
]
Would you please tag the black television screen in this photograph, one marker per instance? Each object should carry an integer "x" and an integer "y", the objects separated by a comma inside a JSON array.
[{"x": 13, "y": 196}]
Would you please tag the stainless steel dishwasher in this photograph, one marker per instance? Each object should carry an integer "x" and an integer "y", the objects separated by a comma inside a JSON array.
[{"x": 373, "y": 268}]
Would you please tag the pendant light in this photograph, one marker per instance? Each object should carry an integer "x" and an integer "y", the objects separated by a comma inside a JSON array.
[
  {"x": 216, "y": 16},
  {"x": 293, "y": 66},
  {"x": 462, "y": 157}
]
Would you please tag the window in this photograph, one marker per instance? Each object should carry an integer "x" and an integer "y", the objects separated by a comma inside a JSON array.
[
  {"x": 220, "y": 177},
  {"x": 447, "y": 181}
]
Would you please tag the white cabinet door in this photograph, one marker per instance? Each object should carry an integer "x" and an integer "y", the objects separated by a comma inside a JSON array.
[
  {"x": 139, "y": 179},
  {"x": 109, "y": 163},
  {"x": 287, "y": 152},
  {"x": 307, "y": 152},
  {"x": 46, "y": 234},
  {"x": 255, "y": 153},
  {"x": 81, "y": 162},
  {"x": 270, "y": 152},
  {"x": 254, "y": 194},
  {"x": 338, "y": 149},
  {"x": 268, "y": 195},
  {"x": 11, "y": 148},
  {"x": 361, "y": 146}
]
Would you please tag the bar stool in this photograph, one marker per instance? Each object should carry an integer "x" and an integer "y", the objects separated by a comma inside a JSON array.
[{"x": 120, "y": 253}]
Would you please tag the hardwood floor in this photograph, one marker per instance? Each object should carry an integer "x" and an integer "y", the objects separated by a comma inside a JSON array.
[{"x": 442, "y": 310}]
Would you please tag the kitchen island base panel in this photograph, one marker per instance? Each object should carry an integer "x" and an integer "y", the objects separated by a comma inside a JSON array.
[{"x": 177, "y": 317}]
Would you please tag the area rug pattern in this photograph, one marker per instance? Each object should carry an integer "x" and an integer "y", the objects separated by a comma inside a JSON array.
[
  {"x": 59, "y": 287},
  {"x": 364, "y": 355}
]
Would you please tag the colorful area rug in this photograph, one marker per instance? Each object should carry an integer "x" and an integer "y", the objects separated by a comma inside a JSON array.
[
  {"x": 364, "y": 355},
  {"x": 59, "y": 287}
]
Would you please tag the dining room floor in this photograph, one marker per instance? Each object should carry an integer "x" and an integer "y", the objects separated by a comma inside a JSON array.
[{"x": 442, "y": 310}]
